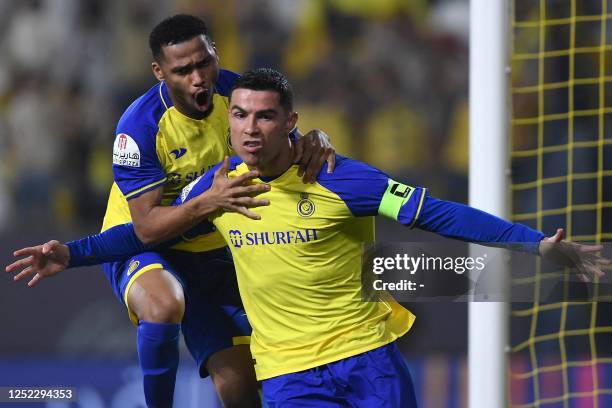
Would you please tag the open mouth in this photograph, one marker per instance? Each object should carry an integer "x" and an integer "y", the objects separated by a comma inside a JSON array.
[
  {"x": 252, "y": 146},
  {"x": 201, "y": 98}
]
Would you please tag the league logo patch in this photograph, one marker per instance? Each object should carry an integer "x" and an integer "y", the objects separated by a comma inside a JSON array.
[
  {"x": 305, "y": 207},
  {"x": 126, "y": 151},
  {"x": 132, "y": 267}
]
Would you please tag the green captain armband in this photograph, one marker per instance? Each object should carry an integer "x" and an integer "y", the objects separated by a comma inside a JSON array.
[{"x": 395, "y": 196}]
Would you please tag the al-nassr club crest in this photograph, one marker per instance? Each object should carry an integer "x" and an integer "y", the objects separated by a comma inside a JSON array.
[{"x": 305, "y": 207}]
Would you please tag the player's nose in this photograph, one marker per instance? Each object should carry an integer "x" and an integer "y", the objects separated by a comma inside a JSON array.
[
  {"x": 251, "y": 126},
  {"x": 198, "y": 77}
]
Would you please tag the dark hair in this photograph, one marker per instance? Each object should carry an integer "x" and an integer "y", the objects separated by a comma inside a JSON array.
[
  {"x": 267, "y": 79},
  {"x": 174, "y": 30}
]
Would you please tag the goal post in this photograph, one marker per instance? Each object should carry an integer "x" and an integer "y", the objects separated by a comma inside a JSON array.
[{"x": 488, "y": 99}]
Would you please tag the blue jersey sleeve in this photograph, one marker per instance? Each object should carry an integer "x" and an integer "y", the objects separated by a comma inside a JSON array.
[
  {"x": 225, "y": 82},
  {"x": 368, "y": 191},
  {"x": 136, "y": 167},
  {"x": 197, "y": 187},
  {"x": 120, "y": 242},
  {"x": 114, "y": 244},
  {"x": 466, "y": 223}
]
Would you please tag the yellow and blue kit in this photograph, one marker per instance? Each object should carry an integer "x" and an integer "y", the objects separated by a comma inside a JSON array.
[
  {"x": 299, "y": 267},
  {"x": 157, "y": 146},
  {"x": 299, "y": 273}
]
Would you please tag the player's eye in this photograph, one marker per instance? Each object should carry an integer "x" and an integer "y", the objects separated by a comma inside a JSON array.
[
  {"x": 183, "y": 71},
  {"x": 204, "y": 63}
]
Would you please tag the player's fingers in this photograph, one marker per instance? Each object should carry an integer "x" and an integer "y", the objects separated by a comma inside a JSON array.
[
  {"x": 247, "y": 213},
  {"x": 590, "y": 248},
  {"x": 555, "y": 238},
  {"x": 298, "y": 150},
  {"x": 306, "y": 158},
  {"x": 22, "y": 263},
  {"x": 605, "y": 262},
  {"x": 583, "y": 278},
  {"x": 331, "y": 160},
  {"x": 254, "y": 189},
  {"x": 34, "y": 281},
  {"x": 251, "y": 202},
  {"x": 595, "y": 270},
  {"x": 596, "y": 259},
  {"x": 26, "y": 251},
  {"x": 314, "y": 166},
  {"x": 226, "y": 164},
  {"x": 309, "y": 145},
  {"x": 27, "y": 271},
  {"x": 244, "y": 178},
  {"x": 223, "y": 169}
]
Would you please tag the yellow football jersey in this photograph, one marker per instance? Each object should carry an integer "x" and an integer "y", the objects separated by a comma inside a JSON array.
[
  {"x": 156, "y": 145},
  {"x": 299, "y": 267}
]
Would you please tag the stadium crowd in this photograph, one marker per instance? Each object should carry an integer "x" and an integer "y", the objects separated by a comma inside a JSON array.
[{"x": 386, "y": 79}]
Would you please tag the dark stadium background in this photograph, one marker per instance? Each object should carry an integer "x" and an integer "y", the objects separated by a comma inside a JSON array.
[{"x": 387, "y": 80}]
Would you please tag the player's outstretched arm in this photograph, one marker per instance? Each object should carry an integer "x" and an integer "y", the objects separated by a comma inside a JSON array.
[
  {"x": 311, "y": 151},
  {"x": 42, "y": 261},
  {"x": 469, "y": 224},
  {"x": 368, "y": 191},
  {"x": 584, "y": 258},
  {"x": 156, "y": 223},
  {"x": 122, "y": 241},
  {"x": 114, "y": 244}
]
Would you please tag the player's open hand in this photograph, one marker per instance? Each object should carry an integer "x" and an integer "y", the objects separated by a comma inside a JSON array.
[
  {"x": 236, "y": 194},
  {"x": 41, "y": 261},
  {"x": 311, "y": 151},
  {"x": 584, "y": 258}
]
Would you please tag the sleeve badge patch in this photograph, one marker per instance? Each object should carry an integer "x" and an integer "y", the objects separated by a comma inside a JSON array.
[{"x": 126, "y": 151}]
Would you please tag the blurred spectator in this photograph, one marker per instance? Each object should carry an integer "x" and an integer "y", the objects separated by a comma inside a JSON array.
[
  {"x": 386, "y": 79},
  {"x": 35, "y": 147},
  {"x": 32, "y": 40}
]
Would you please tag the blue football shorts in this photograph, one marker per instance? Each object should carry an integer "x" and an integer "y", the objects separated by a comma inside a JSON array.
[
  {"x": 377, "y": 378},
  {"x": 214, "y": 317}
]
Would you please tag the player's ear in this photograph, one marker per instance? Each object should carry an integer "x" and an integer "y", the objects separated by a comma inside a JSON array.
[
  {"x": 291, "y": 121},
  {"x": 157, "y": 71},
  {"x": 213, "y": 45}
]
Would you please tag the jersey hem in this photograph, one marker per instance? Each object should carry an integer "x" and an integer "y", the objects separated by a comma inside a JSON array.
[{"x": 266, "y": 374}]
